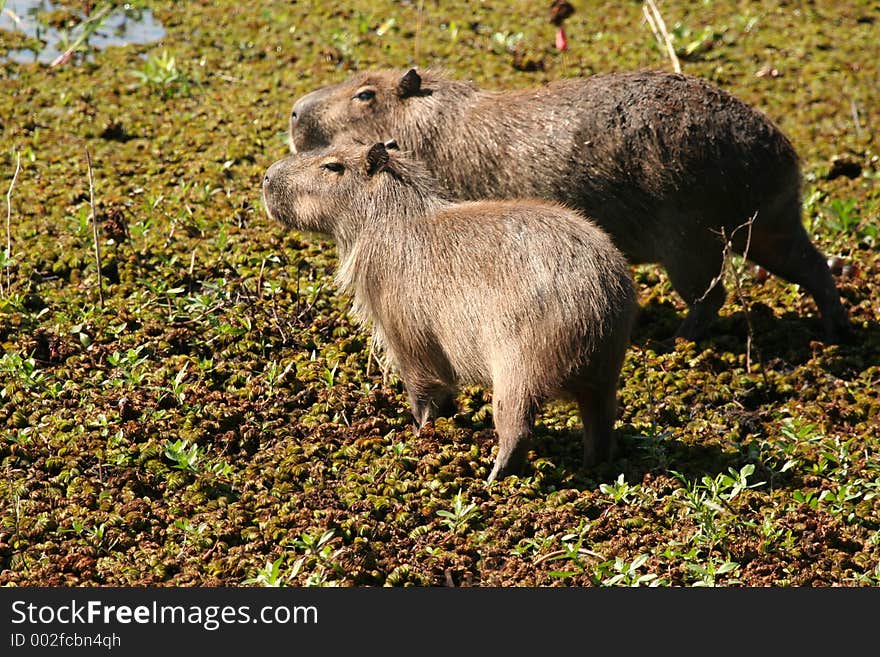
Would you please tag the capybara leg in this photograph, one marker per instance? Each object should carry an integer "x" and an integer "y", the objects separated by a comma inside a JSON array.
[
  {"x": 443, "y": 404},
  {"x": 598, "y": 410},
  {"x": 513, "y": 415},
  {"x": 425, "y": 400},
  {"x": 794, "y": 257},
  {"x": 695, "y": 276}
]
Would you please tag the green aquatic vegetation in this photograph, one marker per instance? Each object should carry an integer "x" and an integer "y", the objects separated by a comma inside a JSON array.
[
  {"x": 708, "y": 574},
  {"x": 621, "y": 573},
  {"x": 184, "y": 455},
  {"x": 223, "y": 421},
  {"x": 461, "y": 515},
  {"x": 505, "y": 42},
  {"x": 270, "y": 575},
  {"x": 575, "y": 556},
  {"x": 160, "y": 73},
  {"x": 707, "y": 504},
  {"x": 22, "y": 371},
  {"x": 693, "y": 42},
  {"x": 620, "y": 490},
  {"x": 315, "y": 568}
]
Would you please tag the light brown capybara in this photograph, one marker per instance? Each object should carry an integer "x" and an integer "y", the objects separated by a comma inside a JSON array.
[
  {"x": 663, "y": 162},
  {"x": 525, "y": 296}
]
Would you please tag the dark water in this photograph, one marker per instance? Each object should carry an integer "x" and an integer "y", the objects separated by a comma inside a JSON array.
[{"x": 125, "y": 24}]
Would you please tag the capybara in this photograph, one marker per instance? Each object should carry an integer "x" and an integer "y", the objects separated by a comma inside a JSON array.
[
  {"x": 665, "y": 163},
  {"x": 524, "y": 296}
]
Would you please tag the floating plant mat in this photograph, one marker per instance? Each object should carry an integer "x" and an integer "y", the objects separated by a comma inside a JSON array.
[{"x": 221, "y": 419}]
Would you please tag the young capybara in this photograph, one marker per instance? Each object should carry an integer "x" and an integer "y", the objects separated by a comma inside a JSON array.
[
  {"x": 527, "y": 297},
  {"x": 665, "y": 163}
]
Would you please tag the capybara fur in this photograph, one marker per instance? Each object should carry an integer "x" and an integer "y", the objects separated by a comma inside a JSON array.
[
  {"x": 665, "y": 163},
  {"x": 524, "y": 296}
]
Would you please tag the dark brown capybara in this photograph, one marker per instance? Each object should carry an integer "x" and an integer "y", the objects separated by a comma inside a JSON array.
[
  {"x": 524, "y": 296},
  {"x": 662, "y": 161}
]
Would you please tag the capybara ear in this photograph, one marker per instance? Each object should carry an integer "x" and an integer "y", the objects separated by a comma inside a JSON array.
[
  {"x": 409, "y": 84},
  {"x": 377, "y": 158},
  {"x": 391, "y": 145}
]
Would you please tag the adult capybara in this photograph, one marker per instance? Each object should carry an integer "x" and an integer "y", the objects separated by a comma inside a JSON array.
[
  {"x": 663, "y": 162},
  {"x": 525, "y": 296}
]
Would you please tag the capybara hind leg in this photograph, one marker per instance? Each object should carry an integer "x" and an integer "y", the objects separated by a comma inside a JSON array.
[
  {"x": 513, "y": 415},
  {"x": 598, "y": 411},
  {"x": 794, "y": 257}
]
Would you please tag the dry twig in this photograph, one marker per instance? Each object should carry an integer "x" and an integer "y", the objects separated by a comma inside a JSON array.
[
  {"x": 855, "y": 115},
  {"x": 95, "y": 229},
  {"x": 88, "y": 27},
  {"x": 658, "y": 27},
  {"x": 583, "y": 552},
  {"x": 9, "y": 218},
  {"x": 737, "y": 282}
]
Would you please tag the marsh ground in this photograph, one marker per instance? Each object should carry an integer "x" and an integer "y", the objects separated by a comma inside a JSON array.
[{"x": 217, "y": 419}]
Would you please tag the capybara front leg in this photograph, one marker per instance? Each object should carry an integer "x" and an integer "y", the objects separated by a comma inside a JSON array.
[
  {"x": 696, "y": 277},
  {"x": 425, "y": 401}
]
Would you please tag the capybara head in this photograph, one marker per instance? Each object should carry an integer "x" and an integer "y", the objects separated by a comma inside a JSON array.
[
  {"x": 308, "y": 191},
  {"x": 331, "y": 189},
  {"x": 359, "y": 106}
]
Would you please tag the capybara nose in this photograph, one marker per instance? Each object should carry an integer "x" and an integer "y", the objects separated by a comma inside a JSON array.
[
  {"x": 273, "y": 179},
  {"x": 270, "y": 186},
  {"x": 304, "y": 105},
  {"x": 269, "y": 177},
  {"x": 300, "y": 108}
]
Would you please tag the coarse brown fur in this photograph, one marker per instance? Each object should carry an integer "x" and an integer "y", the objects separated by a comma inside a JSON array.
[
  {"x": 525, "y": 296},
  {"x": 663, "y": 162}
]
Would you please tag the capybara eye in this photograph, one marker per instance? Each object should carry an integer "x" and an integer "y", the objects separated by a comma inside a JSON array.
[
  {"x": 335, "y": 167},
  {"x": 293, "y": 115},
  {"x": 365, "y": 95}
]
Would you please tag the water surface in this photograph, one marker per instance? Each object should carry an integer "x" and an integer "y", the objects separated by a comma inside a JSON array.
[{"x": 124, "y": 24}]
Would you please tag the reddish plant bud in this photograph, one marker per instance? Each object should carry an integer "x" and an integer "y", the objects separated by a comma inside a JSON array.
[{"x": 561, "y": 43}]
